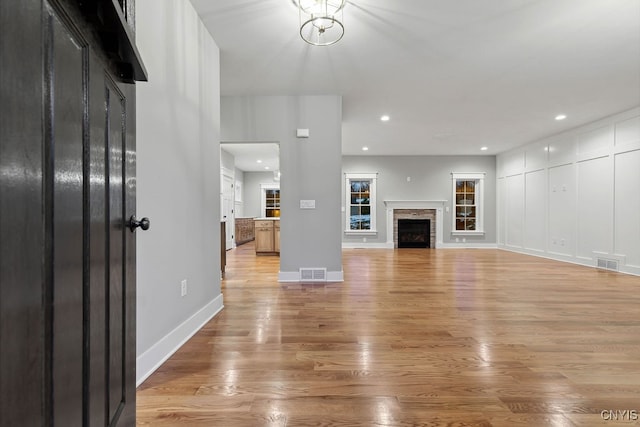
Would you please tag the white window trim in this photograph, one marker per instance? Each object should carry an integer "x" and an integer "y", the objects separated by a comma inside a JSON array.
[
  {"x": 263, "y": 197},
  {"x": 372, "y": 202},
  {"x": 479, "y": 177}
]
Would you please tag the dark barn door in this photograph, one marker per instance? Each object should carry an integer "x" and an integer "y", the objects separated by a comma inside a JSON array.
[{"x": 67, "y": 191}]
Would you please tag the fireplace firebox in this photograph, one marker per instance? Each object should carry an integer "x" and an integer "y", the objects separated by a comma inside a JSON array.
[{"x": 414, "y": 233}]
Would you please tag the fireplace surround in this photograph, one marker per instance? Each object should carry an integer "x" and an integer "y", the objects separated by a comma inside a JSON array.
[{"x": 432, "y": 210}]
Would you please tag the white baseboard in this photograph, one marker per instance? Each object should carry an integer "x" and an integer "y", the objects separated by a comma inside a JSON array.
[
  {"x": 288, "y": 276},
  {"x": 468, "y": 245},
  {"x": 335, "y": 276},
  {"x": 630, "y": 269},
  {"x": 152, "y": 359},
  {"x": 294, "y": 276},
  {"x": 362, "y": 245},
  {"x": 586, "y": 262}
]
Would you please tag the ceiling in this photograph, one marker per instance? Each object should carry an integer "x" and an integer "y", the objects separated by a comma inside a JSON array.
[
  {"x": 452, "y": 75},
  {"x": 254, "y": 157}
]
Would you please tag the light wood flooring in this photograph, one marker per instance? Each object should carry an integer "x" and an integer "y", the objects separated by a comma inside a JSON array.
[{"x": 412, "y": 337}]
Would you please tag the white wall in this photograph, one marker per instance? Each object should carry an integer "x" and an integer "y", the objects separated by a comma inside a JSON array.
[
  {"x": 239, "y": 196},
  {"x": 430, "y": 179},
  {"x": 575, "y": 196},
  {"x": 178, "y": 179},
  {"x": 309, "y": 238},
  {"x": 227, "y": 161},
  {"x": 253, "y": 191}
]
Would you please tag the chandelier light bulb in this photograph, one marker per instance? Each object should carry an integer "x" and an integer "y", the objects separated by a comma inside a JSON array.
[{"x": 321, "y": 21}]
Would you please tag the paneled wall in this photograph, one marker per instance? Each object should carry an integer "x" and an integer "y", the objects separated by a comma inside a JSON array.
[{"x": 575, "y": 196}]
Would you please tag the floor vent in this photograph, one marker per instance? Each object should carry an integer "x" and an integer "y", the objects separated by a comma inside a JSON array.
[
  {"x": 313, "y": 274},
  {"x": 607, "y": 264}
]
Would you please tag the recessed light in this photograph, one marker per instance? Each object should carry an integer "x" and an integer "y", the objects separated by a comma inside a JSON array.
[
  {"x": 266, "y": 167},
  {"x": 484, "y": 148},
  {"x": 385, "y": 118},
  {"x": 365, "y": 148},
  {"x": 561, "y": 117},
  {"x": 258, "y": 161}
]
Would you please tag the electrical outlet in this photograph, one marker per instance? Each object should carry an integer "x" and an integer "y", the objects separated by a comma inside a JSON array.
[
  {"x": 364, "y": 240},
  {"x": 464, "y": 240},
  {"x": 183, "y": 288}
]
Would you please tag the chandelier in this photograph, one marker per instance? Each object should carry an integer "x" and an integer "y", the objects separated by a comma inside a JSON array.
[{"x": 321, "y": 21}]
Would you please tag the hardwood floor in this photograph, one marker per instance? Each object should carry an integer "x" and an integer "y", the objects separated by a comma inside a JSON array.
[{"x": 412, "y": 337}]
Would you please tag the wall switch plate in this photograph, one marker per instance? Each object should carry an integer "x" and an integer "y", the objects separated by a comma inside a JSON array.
[
  {"x": 307, "y": 204},
  {"x": 302, "y": 133},
  {"x": 183, "y": 288}
]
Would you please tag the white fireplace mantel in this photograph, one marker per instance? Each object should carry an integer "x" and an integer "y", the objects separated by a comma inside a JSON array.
[{"x": 437, "y": 205}]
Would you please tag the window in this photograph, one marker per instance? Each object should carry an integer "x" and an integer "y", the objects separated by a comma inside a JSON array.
[
  {"x": 270, "y": 198},
  {"x": 360, "y": 203},
  {"x": 468, "y": 203}
]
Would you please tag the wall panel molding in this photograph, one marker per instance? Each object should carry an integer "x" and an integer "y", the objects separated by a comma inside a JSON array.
[{"x": 589, "y": 193}]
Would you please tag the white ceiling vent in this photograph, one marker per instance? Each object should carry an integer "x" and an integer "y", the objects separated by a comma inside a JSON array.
[
  {"x": 607, "y": 264},
  {"x": 313, "y": 274}
]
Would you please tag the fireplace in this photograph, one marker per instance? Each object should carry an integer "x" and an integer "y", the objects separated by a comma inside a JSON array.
[
  {"x": 431, "y": 210},
  {"x": 414, "y": 233}
]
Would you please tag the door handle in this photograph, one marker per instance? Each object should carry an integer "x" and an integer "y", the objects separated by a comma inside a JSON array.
[{"x": 144, "y": 223}]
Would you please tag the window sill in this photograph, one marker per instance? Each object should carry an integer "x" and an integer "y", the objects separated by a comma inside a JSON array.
[
  {"x": 360, "y": 233},
  {"x": 467, "y": 233}
]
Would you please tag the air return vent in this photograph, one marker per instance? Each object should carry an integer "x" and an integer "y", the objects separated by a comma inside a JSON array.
[
  {"x": 607, "y": 264},
  {"x": 313, "y": 274}
]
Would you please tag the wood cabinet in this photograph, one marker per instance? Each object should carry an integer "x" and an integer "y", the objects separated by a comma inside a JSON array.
[
  {"x": 245, "y": 230},
  {"x": 267, "y": 235}
]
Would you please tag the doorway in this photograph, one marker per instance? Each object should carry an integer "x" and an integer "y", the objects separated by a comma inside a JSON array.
[{"x": 247, "y": 168}]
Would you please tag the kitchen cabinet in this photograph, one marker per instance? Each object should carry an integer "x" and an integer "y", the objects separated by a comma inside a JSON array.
[
  {"x": 267, "y": 236},
  {"x": 245, "y": 230}
]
